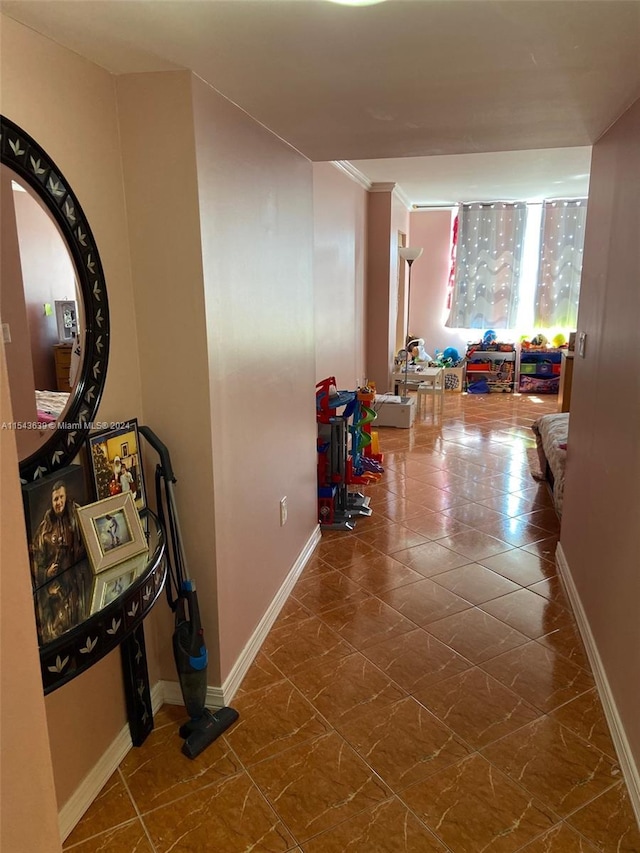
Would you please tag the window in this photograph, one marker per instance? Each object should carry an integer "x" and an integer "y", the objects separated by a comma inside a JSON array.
[
  {"x": 489, "y": 254},
  {"x": 561, "y": 244},
  {"x": 518, "y": 264}
]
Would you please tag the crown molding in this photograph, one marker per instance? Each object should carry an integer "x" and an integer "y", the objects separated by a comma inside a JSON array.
[
  {"x": 391, "y": 187},
  {"x": 382, "y": 187},
  {"x": 403, "y": 198},
  {"x": 355, "y": 174}
]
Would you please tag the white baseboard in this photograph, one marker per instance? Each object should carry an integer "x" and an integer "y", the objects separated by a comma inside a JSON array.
[
  {"x": 628, "y": 765},
  {"x": 248, "y": 654},
  {"x": 217, "y": 697},
  {"x": 172, "y": 695},
  {"x": 169, "y": 692},
  {"x": 87, "y": 791}
]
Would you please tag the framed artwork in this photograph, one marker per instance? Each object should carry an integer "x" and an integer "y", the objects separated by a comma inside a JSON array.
[
  {"x": 110, "y": 584},
  {"x": 66, "y": 320},
  {"x": 53, "y": 534},
  {"x": 116, "y": 464},
  {"x": 111, "y": 530}
]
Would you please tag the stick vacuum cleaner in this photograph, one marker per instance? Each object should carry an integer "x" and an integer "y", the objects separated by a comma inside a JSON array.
[{"x": 189, "y": 649}]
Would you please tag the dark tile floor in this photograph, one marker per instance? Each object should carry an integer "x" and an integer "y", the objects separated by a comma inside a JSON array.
[{"x": 423, "y": 690}]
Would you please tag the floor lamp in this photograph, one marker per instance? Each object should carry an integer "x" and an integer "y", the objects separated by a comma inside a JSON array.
[{"x": 409, "y": 255}]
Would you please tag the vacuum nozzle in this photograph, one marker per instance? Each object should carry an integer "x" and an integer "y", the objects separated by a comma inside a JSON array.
[{"x": 201, "y": 733}]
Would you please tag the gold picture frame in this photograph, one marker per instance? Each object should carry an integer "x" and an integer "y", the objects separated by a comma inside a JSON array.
[{"x": 112, "y": 531}]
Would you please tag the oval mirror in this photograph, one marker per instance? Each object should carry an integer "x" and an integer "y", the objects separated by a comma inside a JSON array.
[{"x": 54, "y": 307}]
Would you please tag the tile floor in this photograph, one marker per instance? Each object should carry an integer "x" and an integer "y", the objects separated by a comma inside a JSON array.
[{"x": 423, "y": 690}]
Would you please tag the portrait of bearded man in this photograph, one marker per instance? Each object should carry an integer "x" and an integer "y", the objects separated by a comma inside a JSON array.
[
  {"x": 57, "y": 543},
  {"x": 60, "y": 573}
]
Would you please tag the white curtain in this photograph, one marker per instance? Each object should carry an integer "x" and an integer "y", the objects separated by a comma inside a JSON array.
[
  {"x": 561, "y": 244},
  {"x": 489, "y": 256}
]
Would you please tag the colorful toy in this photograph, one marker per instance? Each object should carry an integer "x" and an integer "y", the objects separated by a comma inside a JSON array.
[
  {"x": 451, "y": 355},
  {"x": 540, "y": 340},
  {"x": 339, "y": 466},
  {"x": 366, "y": 396},
  {"x": 417, "y": 351},
  {"x": 489, "y": 337},
  {"x": 481, "y": 386}
]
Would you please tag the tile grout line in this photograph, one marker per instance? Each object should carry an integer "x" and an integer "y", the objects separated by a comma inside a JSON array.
[{"x": 138, "y": 812}]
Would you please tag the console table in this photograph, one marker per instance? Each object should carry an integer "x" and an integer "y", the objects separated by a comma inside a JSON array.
[{"x": 82, "y": 616}]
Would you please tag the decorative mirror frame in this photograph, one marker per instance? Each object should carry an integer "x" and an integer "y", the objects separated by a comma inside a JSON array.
[{"x": 29, "y": 161}]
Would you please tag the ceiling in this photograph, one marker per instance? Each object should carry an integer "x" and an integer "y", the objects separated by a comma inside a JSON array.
[
  {"x": 401, "y": 79},
  {"x": 448, "y": 179}
]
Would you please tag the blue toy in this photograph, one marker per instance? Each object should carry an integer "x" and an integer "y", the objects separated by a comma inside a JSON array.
[
  {"x": 479, "y": 387},
  {"x": 489, "y": 337},
  {"x": 451, "y": 355}
]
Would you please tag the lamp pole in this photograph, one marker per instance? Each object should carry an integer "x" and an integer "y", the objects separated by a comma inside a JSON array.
[{"x": 409, "y": 255}]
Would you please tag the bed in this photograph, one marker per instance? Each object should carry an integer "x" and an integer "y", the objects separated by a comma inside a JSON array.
[
  {"x": 551, "y": 432},
  {"x": 50, "y": 405}
]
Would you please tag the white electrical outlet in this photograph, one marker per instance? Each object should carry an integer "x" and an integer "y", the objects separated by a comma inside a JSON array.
[{"x": 283, "y": 511}]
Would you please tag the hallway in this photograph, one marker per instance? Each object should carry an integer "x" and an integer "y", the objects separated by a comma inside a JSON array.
[{"x": 424, "y": 688}]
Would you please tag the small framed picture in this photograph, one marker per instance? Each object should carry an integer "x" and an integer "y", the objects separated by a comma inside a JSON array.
[
  {"x": 110, "y": 584},
  {"x": 66, "y": 320},
  {"x": 116, "y": 466},
  {"x": 112, "y": 531},
  {"x": 55, "y": 542}
]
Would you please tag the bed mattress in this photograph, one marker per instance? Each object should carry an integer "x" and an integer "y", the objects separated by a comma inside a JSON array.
[
  {"x": 551, "y": 432},
  {"x": 50, "y": 405}
]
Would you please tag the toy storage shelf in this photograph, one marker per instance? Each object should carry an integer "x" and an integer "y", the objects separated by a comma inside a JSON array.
[
  {"x": 497, "y": 367},
  {"x": 539, "y": 371}
]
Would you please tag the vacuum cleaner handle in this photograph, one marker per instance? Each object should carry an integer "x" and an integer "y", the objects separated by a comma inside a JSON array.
[
  {"x": 162, "y": 451},
  {"x": 196, "y": 647}
]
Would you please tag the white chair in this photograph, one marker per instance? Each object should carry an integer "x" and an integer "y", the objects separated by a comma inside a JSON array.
[{"x": 432, "y": 385}]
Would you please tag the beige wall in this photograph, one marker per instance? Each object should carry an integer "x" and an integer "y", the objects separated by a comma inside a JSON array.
[
  {"x": 378, "y": 304},
  {"x": 158, "y": 149},
  {"x": 339, "y": 208},
  {"x": 28, "y": 808},
  {"x": 387, "y": 218},
  {"x": 602, "y": 500},
  {"x": 399, "y": 236},
  {"x": 13, "y": 311},
  {"x": 221, "y": 245},
  {"x": 74, "y": 118},
  {"x": 431, "y": 229},
  {"x": 257, "y": 240}
]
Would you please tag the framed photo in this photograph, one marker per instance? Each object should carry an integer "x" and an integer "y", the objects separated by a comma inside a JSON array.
[
  {"x": 110, "y": 584},
  {"x": 53, "y": 533},
  {"x": 112, "y": 531},
  {"x": 116, "y": 464},
  {"x": 66, "y": 320}
]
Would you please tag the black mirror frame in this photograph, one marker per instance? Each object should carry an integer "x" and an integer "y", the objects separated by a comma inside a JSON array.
[{"x": 29, "y": 161}]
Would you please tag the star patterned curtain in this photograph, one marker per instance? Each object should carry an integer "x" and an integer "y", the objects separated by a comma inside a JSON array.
[
  {"x": 561, "y": 245},
  {"x": 489, "y": 256}
]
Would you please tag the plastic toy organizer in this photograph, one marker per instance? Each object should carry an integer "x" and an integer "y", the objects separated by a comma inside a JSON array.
[
  {"x": 540, "y": 371},
  {"x": 490, "y": 368},
  {"x": 348, "y": 453}
]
